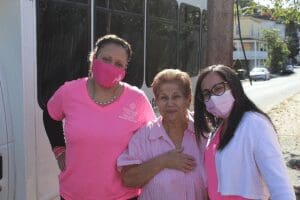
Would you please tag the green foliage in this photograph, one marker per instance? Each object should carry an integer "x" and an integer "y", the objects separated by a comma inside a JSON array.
[
  {"x": 247, "y": 7},
  {"x": 246, "y": 3},
  {"x": 277, "y": 50},
  {"x": 286, "y": 11},
  {"x": 292, "y": 40}
]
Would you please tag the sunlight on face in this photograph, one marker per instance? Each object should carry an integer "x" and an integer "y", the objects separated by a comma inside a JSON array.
[
  {"x": 171, "y": 102},
  {"x": 210, "y": 80},
  {"x": 114, "y": 54}
]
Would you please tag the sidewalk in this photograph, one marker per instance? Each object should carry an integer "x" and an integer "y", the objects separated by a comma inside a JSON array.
[{"x": 286, "y": 118}]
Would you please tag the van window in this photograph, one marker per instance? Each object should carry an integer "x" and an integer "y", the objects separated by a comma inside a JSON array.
[
  {"x": 173, "y": 37},
  {"x": 175, "y": 34},
  {"x": 64, "y": 30},
  {"x": 203, "y": 46},
  {"x": 63, "y": 43},
  {"x": 162, "y": 33},
  {"x": 133, "y": 6},
  {"x": 189, "y": 39},
  {"x": 125, "y": 19}
]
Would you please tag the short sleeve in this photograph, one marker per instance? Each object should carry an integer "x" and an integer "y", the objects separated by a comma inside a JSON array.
[
  {"x": 135, "y": 153},
  {"x": 55, "y": 104},
  {"x": 146, "y": 112}
]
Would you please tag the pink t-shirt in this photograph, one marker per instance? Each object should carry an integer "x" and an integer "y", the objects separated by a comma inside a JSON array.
[
  {"x": 211, "y": 172},
  {"x": 168, "y": 184},
  {"x": 95, "y": 137}
]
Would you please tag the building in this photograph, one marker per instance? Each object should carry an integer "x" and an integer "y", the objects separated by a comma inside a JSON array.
[{"x": 255, "y": 47}]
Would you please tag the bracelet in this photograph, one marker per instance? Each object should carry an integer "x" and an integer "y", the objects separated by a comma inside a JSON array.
[{"x": 58, "y": 151}]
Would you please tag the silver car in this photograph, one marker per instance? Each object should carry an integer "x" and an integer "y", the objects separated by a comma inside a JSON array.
[{"x": 260, "y": 73}]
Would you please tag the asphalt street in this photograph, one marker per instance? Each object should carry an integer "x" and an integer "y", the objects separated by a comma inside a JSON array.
[{"x": 267, "y": 94}]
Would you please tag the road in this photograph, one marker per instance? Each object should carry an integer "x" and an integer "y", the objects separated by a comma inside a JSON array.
[{"x": 267, "y": 94}]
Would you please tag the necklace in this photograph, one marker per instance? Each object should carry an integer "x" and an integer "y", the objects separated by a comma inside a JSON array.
[{"x": 102, "y": 103}]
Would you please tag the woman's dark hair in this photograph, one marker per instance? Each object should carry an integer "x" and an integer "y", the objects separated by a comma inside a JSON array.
[
  {"x": 111, "y": 39},
  {"x": 205, "y": 122}
]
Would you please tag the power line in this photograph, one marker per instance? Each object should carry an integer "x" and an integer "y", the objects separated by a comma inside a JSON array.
[{"x": 241, "y": 40}]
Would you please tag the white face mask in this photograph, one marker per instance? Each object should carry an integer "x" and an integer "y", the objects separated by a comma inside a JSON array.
[{"x": 220, "y": 106}]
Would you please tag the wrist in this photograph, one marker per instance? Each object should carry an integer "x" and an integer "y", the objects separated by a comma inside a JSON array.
[
  {"x": 162, "y": 161},
  {"x": 58, "y": 151}
]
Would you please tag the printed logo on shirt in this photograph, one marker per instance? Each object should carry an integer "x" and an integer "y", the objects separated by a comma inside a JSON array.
[{"x": 129, "y": 113}]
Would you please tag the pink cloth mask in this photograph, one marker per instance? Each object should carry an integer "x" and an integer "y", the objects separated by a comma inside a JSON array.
[
  {"x": 105, "y": 74},
  {"x": 220, "y": 106}
]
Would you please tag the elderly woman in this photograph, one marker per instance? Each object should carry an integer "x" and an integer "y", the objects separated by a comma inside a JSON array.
[{"x": 164, "y": 157}]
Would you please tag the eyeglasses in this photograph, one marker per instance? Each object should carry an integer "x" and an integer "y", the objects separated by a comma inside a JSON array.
[{"x": 218, "y": 89}]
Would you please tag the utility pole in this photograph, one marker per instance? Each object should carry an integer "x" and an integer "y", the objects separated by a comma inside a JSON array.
[{"x": 220, "y": 32}]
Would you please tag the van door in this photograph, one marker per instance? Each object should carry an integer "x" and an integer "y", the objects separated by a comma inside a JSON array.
[{"x": 6, "y": 147}]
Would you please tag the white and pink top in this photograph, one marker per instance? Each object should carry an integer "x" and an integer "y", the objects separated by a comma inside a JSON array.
[
  {"x": 95, "y": 137},
  {"x": 211, "y": 172},
  {"x": 168, "y": 184}
]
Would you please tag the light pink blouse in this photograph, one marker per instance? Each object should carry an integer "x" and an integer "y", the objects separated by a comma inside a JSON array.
[{"x": 169, "y": 184}]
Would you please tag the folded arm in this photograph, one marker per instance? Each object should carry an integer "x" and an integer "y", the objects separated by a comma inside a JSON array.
[{"x": 140, "y": 174}]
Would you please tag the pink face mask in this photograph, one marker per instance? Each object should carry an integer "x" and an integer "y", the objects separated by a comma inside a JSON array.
[
  {"x": 220, "y": 106},
  {"x": 105, "y": 74}
]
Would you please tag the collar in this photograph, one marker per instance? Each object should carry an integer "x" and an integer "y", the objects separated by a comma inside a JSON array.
[{"x": 160, "y": 131}]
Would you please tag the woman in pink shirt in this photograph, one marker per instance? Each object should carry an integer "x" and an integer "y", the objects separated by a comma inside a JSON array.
[
  {"x": 243, "y": 158},
  {"x": 100, "y": 114},
  {"x": 164, "y": 157}
]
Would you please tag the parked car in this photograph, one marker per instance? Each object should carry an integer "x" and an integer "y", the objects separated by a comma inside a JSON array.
[
  {"x": 260, "y": 73},
  {"x": 288, "y": 69},
  {"x": 242, "y": 73}
]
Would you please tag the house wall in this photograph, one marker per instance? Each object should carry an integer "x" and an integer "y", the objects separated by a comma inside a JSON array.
[{"x": 251, "y": 31}]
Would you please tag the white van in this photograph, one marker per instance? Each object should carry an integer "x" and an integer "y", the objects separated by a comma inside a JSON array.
[
  {"x": 7, "y": 171},
  {"x": 43, "y": 43}
]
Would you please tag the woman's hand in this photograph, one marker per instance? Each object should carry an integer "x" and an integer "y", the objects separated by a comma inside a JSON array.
[
  {"x": 61, "y": 161},
  {"x": 175, "y": 159},
  {"x": 59, "y": 152},
  {"x": 141, "y": 174}
]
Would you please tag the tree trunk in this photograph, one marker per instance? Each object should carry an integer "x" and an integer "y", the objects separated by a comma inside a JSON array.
[{"x": 220, "y": 32}]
